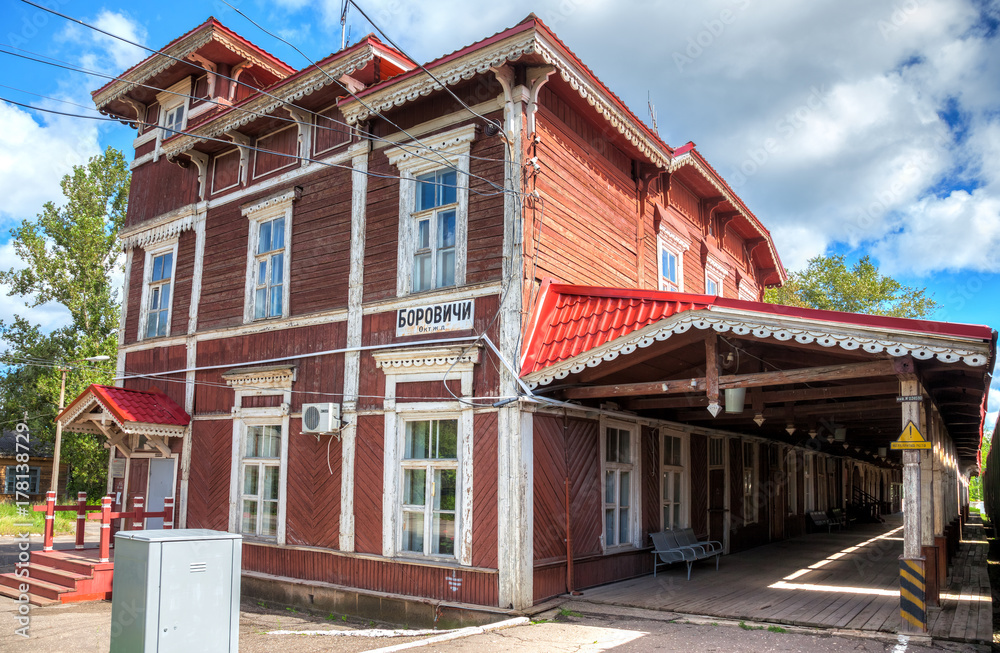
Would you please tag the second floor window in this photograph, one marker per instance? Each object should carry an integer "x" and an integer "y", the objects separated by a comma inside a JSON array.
[
  {"x": 434, "y": 218},
  {"x": 270, "y": 269},
  {"x": 668, "y": 270},
  {"x": 173, "y": 120},
  {"x": 159, "y": 295}
]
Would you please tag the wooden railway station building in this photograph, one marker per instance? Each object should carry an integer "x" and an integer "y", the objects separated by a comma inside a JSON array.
[{"x": 541, "y": 326}]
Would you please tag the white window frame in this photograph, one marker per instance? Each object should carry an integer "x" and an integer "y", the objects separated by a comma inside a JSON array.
[
  {"x": 634, "y": 468},
  {"x": 260, "y": 463},
  {"x": 171, "y": 100},
  {"x": 668, "y": 488},
  {"x": 430, "y": 465},
  {"x": 416, "y": 365},
  {"x": 668, "y": 241},
  {"x": 716, "y": 273},
  {"x": 277, "y": 206},
  {"x": 444, "y": 150},
  {"x": 751, "y": 503},
  {"x": 167, "y": 247},
  {"x": 259, "y": 384}
]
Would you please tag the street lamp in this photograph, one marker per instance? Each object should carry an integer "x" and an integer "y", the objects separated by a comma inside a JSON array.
[{"x": 62, "y": 400}]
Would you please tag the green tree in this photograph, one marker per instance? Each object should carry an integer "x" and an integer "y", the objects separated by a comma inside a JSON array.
[
  {"x": 70, "y": 256},
  {"x": 828, "y": 283},
  {"x": 976, "y": 482}
]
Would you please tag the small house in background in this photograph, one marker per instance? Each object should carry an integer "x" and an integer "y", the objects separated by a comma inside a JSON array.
[
  {"x": 471, "y": 345},
  {"x": 39, "y": 467}
]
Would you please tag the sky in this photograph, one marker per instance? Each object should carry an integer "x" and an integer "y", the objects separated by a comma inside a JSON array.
[{"x": 851, "y": 127}]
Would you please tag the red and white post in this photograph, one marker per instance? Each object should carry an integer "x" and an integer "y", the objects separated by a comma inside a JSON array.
[
  {"x": 105, "y": 529},
  {"x": 50, "y": 519},
  {"x": 168, "y": 513},
  {"x": 138, "y": 521},
  {"x": 81, "y": 518}
]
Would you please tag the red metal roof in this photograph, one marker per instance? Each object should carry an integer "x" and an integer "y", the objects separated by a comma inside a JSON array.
[
  {"x": 144, "y": 406},
  {"x": 569, "y": 320}
]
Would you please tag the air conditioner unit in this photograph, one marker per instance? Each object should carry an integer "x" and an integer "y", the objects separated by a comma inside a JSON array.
[{"x": 320, "y": 418}]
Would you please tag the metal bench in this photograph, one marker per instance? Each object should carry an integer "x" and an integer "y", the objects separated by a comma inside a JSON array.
[
  {"x": 686, "y": 537},
  {"x": 668, "y": 549},
  {"x": 820, "y": 519},
  {"x": 838, "y": 518}
]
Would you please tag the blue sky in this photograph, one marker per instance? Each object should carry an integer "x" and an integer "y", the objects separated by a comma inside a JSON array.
[{"x": 850, "y": 127}]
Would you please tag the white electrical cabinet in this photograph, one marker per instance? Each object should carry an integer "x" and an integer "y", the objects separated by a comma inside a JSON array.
[{"x": 176, "y": 591}]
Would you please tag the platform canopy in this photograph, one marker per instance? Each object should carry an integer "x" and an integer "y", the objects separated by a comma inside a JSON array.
[
  {"x": 825, "y": 376},
  {"x": 131, "y": 420}
]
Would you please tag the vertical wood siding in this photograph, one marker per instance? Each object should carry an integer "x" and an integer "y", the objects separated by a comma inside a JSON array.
[
  {"x": 392, "y": 577},
  {"x": 225, "y": 171},
  {"x": 268, "y": 157},
  {"x": 224, "y": 272},
  {"x": 147, "y": 199},
  {"x": 330, "y": 131},
  {"x": 134, "y": 298},
  {"x": 183, "y": 274},
  {"x": 208, "y": 485},
  {"x": 382, "y": 218},
  {"x": 321, "y": 243},
  {"x": 158, "y": 359}
]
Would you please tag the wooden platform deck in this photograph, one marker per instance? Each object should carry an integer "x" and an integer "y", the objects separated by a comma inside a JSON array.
[{"x": 844, "y": 580}]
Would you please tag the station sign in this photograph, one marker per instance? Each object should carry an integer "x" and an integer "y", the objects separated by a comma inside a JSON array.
[{"x": 435, "y": 318}]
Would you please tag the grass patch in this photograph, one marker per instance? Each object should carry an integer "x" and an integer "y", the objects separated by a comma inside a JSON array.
[
  {"x": 745, "y": 626},
  {"x": 12, "y": 516},
  {"x": 563, "y": 612},
  {"x": 776, "y": 629}
]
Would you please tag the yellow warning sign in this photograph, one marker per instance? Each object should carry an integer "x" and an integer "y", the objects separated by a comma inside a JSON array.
[{"x": 911, "y": 438}]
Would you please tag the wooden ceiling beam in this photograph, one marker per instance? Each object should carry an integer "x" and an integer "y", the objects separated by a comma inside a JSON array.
[
  {"x": 777, "y": 396},
  {"x": 758, "y": 379}
]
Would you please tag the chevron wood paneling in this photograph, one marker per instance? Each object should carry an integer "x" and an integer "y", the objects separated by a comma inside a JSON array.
[
  {"x": 484, "y": 491},
  {"x": 312, "y": 513},
  {"x": 208, "y": 484},
  {"x": 586, "y": 502},
  {"x": 368, "y": 469},
  {"x": 368, "y": 573},
  {"x": 549, "y": 489}
]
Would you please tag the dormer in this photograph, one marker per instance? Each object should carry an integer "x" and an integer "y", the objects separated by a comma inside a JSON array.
[{"x": 187, "y": 81}]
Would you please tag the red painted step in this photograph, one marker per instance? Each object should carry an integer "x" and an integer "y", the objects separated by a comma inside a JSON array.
[{"x": 62, "y": 576}]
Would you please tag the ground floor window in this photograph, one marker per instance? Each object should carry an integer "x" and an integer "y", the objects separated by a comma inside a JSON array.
[
  {"x": 673, "y": 481},
  {"x": 429, "y": 498},
  {"x": 261, "y": 473},
  {"x": 22, "y": 478},
  {"x": 620, "y": 455}
]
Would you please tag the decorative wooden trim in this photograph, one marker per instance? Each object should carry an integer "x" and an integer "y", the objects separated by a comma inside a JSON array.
[
  {"x": 433, "y": 360},
  {"x": 261, "y": 105},
  {"x": 163, "y": 228},
  {"x": 277, "y": 377},
  {"x": 759, "y": 325}
]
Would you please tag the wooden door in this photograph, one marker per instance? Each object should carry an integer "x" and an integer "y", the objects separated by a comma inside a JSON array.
[
  {"x": 717, "y": 504},
  {"x": 137, "y": 475}
]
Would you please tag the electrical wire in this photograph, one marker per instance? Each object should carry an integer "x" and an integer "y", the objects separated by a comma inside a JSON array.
[
  {"x": 226, "y": 77},
  {"x": 429, "y": 73}
]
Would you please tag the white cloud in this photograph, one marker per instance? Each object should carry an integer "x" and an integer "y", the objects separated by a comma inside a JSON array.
[
  {"x": 826, "y": 116},
  {"x": 49, "y": 316},
  {"x": 123, "y": 56},
  {"x": 34, "y": 156}
]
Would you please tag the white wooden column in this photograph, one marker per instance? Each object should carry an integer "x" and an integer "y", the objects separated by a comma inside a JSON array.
[
  {"x": 514, "y": 460},
  {"x": 927, "y": 506},
  {"x": 352, "y": 359}
]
